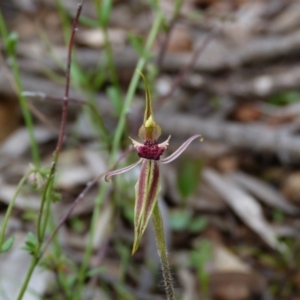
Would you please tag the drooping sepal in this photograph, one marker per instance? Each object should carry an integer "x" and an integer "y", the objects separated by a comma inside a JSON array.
[
  {"x": 180, "y": 149},
  {"x": 146, "y": 193},
  {"x": 120, "y": 171}
]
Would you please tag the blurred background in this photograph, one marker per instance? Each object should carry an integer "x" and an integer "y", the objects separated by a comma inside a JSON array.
[{"x": 228, "y": 69}]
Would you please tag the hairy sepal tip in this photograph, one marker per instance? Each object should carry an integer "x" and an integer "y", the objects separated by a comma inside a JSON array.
[
  {"x": 121, "y": 171},
  {"x": 147, "y": 190},
  {"x": 134, "y": 248},
  {"x": 107, "y": 179}
]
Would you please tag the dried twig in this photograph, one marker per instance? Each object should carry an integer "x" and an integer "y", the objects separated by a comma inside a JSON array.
[
  {"x": 182, "y": 74},
  {"x": 218, "y": 57},
  {"x": 260, "y": 84},
  {"x": 80, "y": 197},
  {"x": 256, "y": 137}
]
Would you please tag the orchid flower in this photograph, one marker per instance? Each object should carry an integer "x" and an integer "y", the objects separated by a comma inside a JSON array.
[{"x": 148, "y": 186}]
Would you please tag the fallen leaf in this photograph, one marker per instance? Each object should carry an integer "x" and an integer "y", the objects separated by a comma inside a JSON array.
[
  {"x": 245, "y": 206},
  {"x": 264, "y": 192}
]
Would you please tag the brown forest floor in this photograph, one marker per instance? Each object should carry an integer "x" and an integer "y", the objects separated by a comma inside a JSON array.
[{"x": 231, "y": 204}]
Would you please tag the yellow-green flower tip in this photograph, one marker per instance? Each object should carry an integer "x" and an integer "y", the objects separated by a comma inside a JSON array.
[{"x": 150, "y": 122}]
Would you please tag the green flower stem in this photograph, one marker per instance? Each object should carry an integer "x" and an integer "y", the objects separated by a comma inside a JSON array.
[
  {"x": 22, "y": 99},
  {"x": 40, "y": 231},
  {"x": 11, "y": 205},
  {"x": 33, "y": 264},
  {"x": 115, "y": 146},
  {"x": 47, "y": 199},
  {"x": 133, "y": 85},
  {"x": 162, "y": 251}
]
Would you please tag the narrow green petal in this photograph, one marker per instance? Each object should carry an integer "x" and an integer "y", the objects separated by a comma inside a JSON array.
[
  {"x": 148, "y": 110},
  {"x": 146, "y": 194}
]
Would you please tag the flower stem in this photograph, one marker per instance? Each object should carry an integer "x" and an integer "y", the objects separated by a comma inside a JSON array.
[
  {"x": 24, "y": 286},
  {"x": 115, "y": 146},
  {"x": 133, "y": 84},
  {"x": 162, "y": 251}
]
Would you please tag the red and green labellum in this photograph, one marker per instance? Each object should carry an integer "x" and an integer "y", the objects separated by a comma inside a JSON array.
[{"x": 146, "y": 193}]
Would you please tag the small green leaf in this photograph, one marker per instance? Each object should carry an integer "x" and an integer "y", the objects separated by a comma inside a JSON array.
[
  {"x": 137, "y": 44},
  {"x": 179, "y": 220},
  {"x": 56, "y": 197},
  {"x": 7, "y": 244},
  {"x": 284, "y": 98},
  {"x": 278, "y": 216},
  {"x": 31, "y": 238},
  {"x": 198, "y": 224},
  {"x": 30, "y": 244},
  {"x": 105, "y": 10},
  {"x": 44, "y": 171},
  {"x": 113, "y": 95},
  {"x": 71, "y": 279},
  {"x": 29, "y": 215},
  {"x": 78, "y": 77},
  {"x": 188, "y": 177},
  {"x": 96, "y": 271},
  {"x": 77, "y": 225},
  {"x": 11, "y": 43},
  {"x": 199, "y": 258},
  {"x": 98, "y": 77},
  {"x": 89, "y": 22}
]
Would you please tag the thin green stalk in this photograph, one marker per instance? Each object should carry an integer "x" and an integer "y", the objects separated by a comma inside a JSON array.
[
  {"x": 49, "y": 185},
  {"x": 133, "y": 85},
  {"x": 40, "y": 231},
  {"x": 97, "y": 119},
  {"x": 22, "y": 99},
  {"x": 33, "y": 264},
  {"x": 116, "y": 142},
  {"x": 162, "y": 251},
  {"x": 48, "y": 200},
  {"x": 42, "y": 225},
  {"x": 11, "y": 205}
]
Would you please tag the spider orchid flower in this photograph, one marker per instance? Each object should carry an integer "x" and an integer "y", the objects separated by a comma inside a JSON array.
[{"x": 148, "y": 186}]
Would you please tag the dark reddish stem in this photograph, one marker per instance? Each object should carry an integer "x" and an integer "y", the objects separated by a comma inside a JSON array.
[
  {"x": 182, "y": 74},
  {"x": 80, "y": 197},
  {"x": 48, "y": 186},
  {"x": 67, "y": 89}
]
